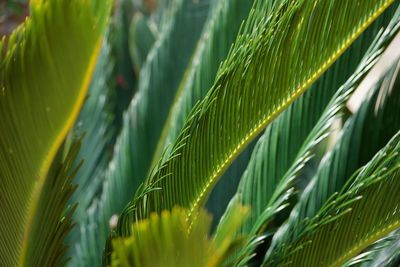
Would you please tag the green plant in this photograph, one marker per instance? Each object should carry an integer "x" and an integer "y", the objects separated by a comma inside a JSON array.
[{"x": 176, "y": 95}]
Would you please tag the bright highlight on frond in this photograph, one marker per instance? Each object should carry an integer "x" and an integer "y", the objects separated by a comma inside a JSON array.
[
  {"x": 270, "y": 65},
  {"x": 44, "y": 76},
  {"x": 170, "y": 240}
]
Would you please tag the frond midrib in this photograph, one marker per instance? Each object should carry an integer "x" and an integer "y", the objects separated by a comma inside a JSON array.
[
  {"x": 264, "y": 122},
  {"x": 360, "y": 246},
  {"x": 44, "y": 169}
]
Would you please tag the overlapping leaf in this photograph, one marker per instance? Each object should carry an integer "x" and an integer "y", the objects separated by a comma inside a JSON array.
[
  {"x": 363, "y": 212},
  {"x": 170, "y": 240},
  {"x": 217, "y": 38},
  {"x": 351, "y": 152},
  {"x": 381, "y": 252},
  {"x": 265, "y": 186},
  {"x": 142, "y": 125},
  {"x": 283, "y": 147},
  {"x": 248, "y": 94},
  {"x": 44, "y": 75}
]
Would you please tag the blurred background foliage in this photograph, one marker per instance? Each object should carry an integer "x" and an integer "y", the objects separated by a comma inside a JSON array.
[{"x": 157, "y": 60}]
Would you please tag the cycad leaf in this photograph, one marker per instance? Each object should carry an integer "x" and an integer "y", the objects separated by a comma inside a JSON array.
[
  {"x": 247, "y": 95},
  {"x": 95, "y": 125},
  {"x": 365, "y": 211},
  {"x": 381, "y": 253},
  {"x": 170, "y": 240},
  {"x": 57, "y": 217},
  {"x": 287, "y": 144},
  {"x": 348, "y": 155},
  {"x": 260, "y": 188},
  {"x": 389, "y": 256},
  {"x": 142, "y": 124},
  {"x": 218, "y": 35},
  {"x": 43, "y": 79}
]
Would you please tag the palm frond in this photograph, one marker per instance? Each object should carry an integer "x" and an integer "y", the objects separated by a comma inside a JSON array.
[
  {"x": 170, "y": 240},
  {"x": 95, "y": 125},
  {"x": 364, "y": 211},
  {"x": 56, "y": 218},
  {"x": 141, "y": 126},
  {"x": 381, "y": 253},
  {"x": 288, "y": 142},
  {"x": 389, "y": 256},
  {"x": 348, "y": 155},
  {"x": 217, "y": 38},
  {"x": 36, "y": 114},
  {"x": 250, "y": 71},
  {"x": 265, "y": 186}
]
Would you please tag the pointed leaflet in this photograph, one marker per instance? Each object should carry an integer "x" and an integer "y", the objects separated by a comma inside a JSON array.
[
  {"x": 259, "y": 188},
  {"x": 278, "y": 149},
  {"x": 381, "y": 253},
  {"x": 389, "y": 256},
  {"x": 218, "y": 35},
  {"x": 270, "y": 65},
  {"x": 364, "y": 211},
  {"x": 96, "y": 128},
  {"x": 141, "y": 39},
  {"x": 142, "y": 124},
  {"x": 43, "y": 79},
  {"x": 358, "y": 142},
  {"x": 170, "y": 240}
]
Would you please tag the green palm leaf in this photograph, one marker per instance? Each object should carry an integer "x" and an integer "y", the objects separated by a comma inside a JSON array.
[
  {"x": 282, "y": 151},
  {"x": 141, "y": 40},
  {"x": 250, "y": 72},
  {"x": 351, "y": 152},
  {"x": 36, "y": 114},
  {"x": 170, "y": 240},
  {"x": 363, "y": 212},
  {"x": 261, "y": 187},
  {"x": 218, "y": 35},
  {"x": 382, "y": 252},
  {"x": 389, "y": 256},
  {"x": 217, "y": 38},
  {"x": 95, "y": 124},
  {"x": 142, "y": 125}
]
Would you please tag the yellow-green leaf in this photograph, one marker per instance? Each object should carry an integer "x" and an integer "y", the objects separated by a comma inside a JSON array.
[{"x": 44, "y": 75}]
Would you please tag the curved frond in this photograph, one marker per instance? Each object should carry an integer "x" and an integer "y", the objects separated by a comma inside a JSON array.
[
  {"x": 54, "y": 51},
  {"x": 218, "y": 35},
  {"x": 381, "y": 253},
  {"x": 265, "y": 186},
  {"x": 95, "y": 126},
  {"x": 288, "y": 142},
  {"x": 352, "y": 150},
  {"x": 217, "y": 38},
  {"x": 362, "y": 213},
  {"x": 389, "y": 256},
  {"x": 142, "y": 125},
  {"x": 170, "y": 240},
  {"x": 322, "y": 33}
]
